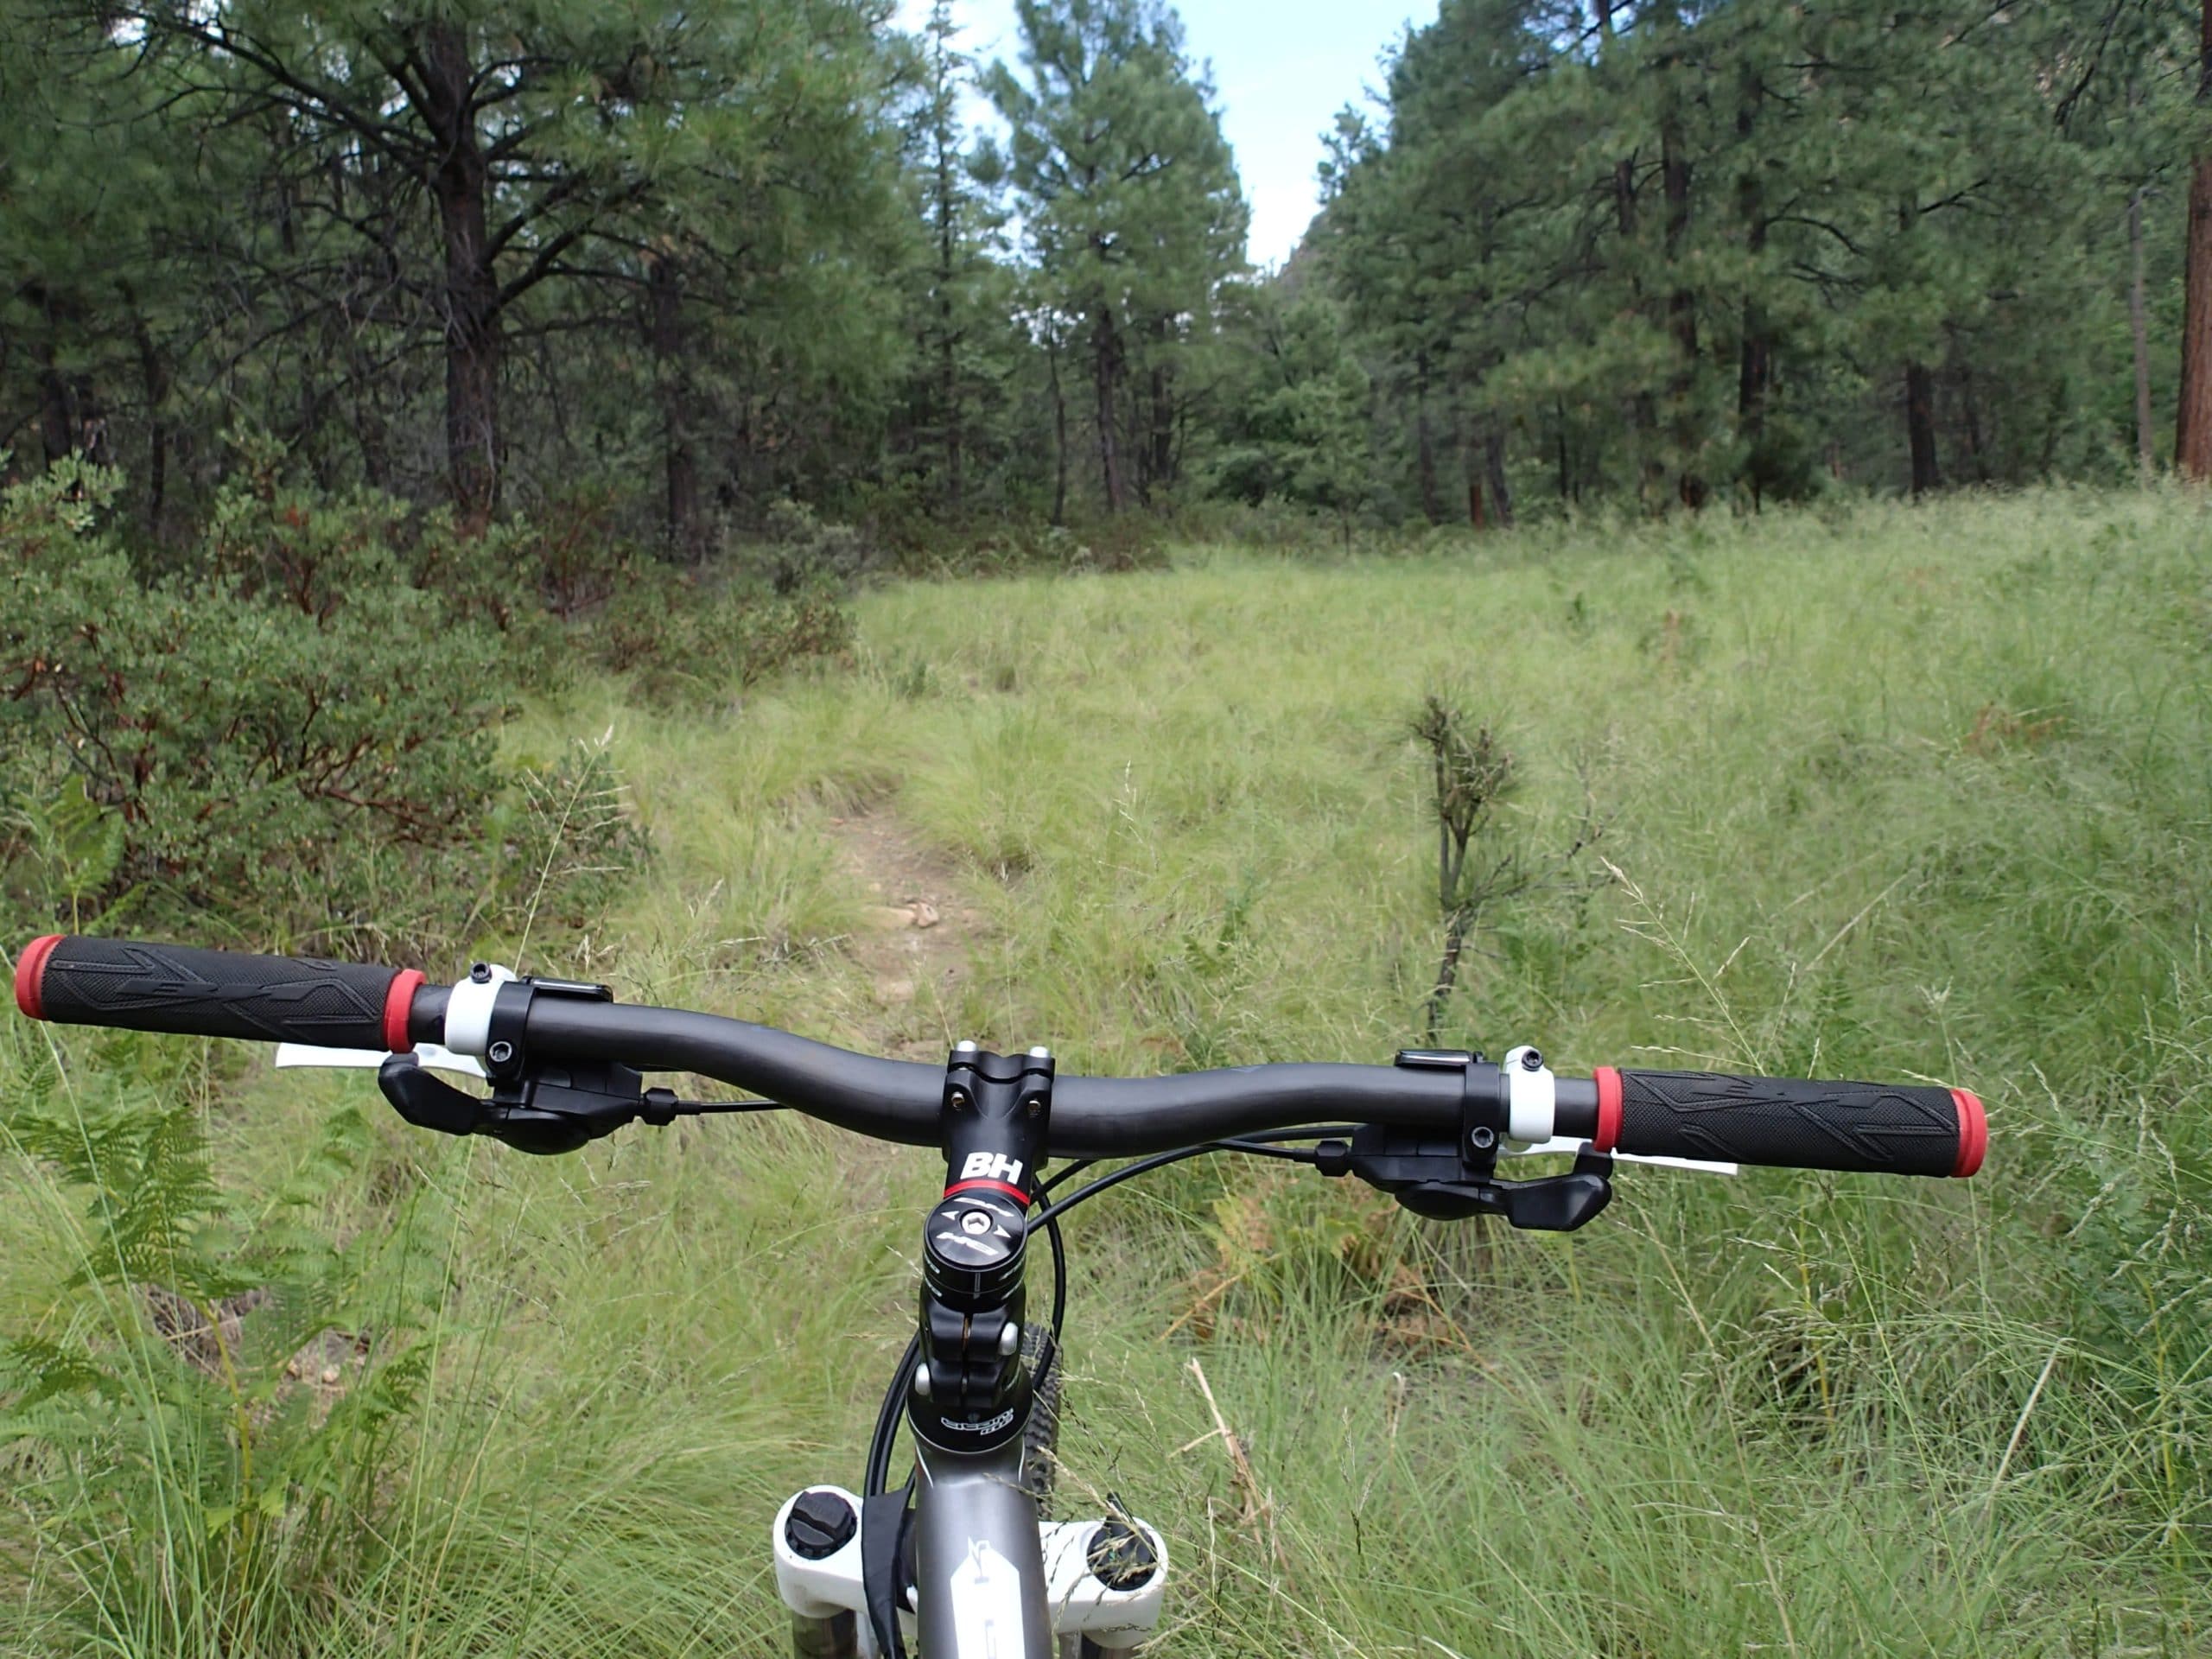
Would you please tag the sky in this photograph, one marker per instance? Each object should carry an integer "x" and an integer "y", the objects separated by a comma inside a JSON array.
[{"x": 1282, "y": 69}]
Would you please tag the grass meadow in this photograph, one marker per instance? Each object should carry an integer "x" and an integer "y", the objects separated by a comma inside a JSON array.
[{"x": 1883, "y": 793}]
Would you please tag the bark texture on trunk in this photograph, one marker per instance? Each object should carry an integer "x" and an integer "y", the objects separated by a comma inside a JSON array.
[
  {"x": 1060, "y": 435},
  {"x": 154, "y": 376},
  {"x": 1494, "y": 467},
  {"x": 1681, "y": 310},
  {"x": 461, "y": 183},
  {"x": 1970, "y": 418},
  {"x": 2193, "y": 418},
  {"x": 948, "y": 366},
  {"x": 1105, "y": 371},
  {"x": 1160, "y": 460},
  {"x": 2139, "y": 332},
  {"x": 1920, "y": 427},
  {"x": 2193, "y": 414},
  {"x": 1755, "y": 352}
]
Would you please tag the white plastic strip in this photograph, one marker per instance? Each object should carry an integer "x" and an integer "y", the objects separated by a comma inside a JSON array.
[
  {"x": 1569, "y": 1144},
  {"x": 468, "y": 1012},
  {"x": 436, "y": 1055}
]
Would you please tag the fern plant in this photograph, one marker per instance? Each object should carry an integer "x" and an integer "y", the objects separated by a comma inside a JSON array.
[{"x": 195, "y": 1424}]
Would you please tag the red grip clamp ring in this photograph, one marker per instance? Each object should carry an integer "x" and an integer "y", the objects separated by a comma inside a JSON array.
[
  {"x": 1608, "y": 1079},
  {"x": 30, "y": 967},
  {"x": 1974, "y": 1132}
]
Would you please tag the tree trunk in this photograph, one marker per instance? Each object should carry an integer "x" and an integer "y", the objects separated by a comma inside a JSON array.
[
  {"x": 1494, "y": 465},
  {"x": 1161, "y": 465},
  {"x": 1466, "y": 438},
  {"x": 57, "y": 411},
  {"x": 1566, "y": 473},
  {"x": 2193, "y": 414},
  {"x": 2139, "y": 334},
  {"x": 2193, "y": 419},
  {"x": 1059, "y": 434},
  {"x": 1432, "y": 502},
  {"x": 948, "y": 338},
  {"x": 680, "y": 464},
  {"x": 461, "y": 183},
  {"x": 1970, "y": 412},
  {"x": 1920, "y": 427},
  {"x": 1755, "y": 353},
  {"x": 154, "y": 377},
  {"x": 1681, "y": 306},
  {"x": 1105, "y": 352}
]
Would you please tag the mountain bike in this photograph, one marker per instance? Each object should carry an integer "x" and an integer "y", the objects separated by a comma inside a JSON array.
[{"x": 956, "y": 1557}]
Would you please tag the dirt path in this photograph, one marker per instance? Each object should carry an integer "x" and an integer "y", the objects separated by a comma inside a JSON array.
[{"x": 916, "y": 933}]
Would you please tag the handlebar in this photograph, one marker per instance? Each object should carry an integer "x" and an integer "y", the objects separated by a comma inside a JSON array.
[{"x": 1780, "y": 1121}]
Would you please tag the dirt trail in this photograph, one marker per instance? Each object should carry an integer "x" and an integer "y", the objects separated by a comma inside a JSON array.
[{"x": 915, "y": 935}]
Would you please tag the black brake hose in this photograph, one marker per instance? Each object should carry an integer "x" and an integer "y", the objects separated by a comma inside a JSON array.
[{"x": 1263, "y": 1145}]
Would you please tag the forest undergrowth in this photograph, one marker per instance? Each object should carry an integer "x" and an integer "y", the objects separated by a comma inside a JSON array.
[{"x": 1886, "y": 791}]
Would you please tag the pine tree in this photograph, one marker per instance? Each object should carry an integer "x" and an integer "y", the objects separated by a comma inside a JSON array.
[{"x": 1130, "y": 208}]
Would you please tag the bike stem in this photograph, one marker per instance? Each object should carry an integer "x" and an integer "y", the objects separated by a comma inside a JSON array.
[{"x": 970, "y": 1393}]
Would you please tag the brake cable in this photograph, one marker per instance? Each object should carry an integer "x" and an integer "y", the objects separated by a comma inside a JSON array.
[{"x": 876, "y": 1477}]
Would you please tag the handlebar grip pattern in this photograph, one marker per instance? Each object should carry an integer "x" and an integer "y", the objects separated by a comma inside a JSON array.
[
  {"x": 174, "y": 988},
  {"x": 1886, "y": 1128}
]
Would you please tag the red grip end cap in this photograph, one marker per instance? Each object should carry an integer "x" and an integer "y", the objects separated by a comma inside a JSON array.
[
  {"x": 399, "y": 1003},
  {"x": 1974, "y": 1132},
  {"x": 1608, "y": 1079},
  {"x": 30, "y": 967}
]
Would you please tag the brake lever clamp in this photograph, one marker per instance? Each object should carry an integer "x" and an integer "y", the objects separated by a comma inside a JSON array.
[
  {"x": 1452, "y": 1178},
  {"x": 539, "y": 1106}
]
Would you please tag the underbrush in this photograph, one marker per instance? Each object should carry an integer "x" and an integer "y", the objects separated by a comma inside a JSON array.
[
  {"x": 289, "y": 733},
  {"x": 1891, "y": 793}
]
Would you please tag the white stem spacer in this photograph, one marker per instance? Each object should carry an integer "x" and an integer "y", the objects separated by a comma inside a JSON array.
[
  {"x": 1532, "y": 1097},
  {"x": 468, "y": 1013}
]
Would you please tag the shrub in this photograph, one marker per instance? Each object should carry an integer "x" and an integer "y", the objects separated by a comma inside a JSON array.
[
  {"x": 683, "y": 635},
  {"x": 798, "y": 552},
  {"x": 239, "y": 738}
]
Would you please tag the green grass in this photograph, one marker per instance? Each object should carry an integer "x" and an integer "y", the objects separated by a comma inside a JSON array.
[{"x": 1889, "y": 792}]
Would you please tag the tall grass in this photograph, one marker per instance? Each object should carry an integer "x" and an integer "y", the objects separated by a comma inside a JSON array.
[{"x": 1889, "y": 792}]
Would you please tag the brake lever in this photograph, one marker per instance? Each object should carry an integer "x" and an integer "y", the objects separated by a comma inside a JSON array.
[
  {"x": 1428, "y": 1174},
  {"x": 547, "y": 1108}
]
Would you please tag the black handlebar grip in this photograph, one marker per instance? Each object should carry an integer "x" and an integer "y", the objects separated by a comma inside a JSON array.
[
  {"x": 1888, "y": 1129},
  {"x": 81, "y": 981}
]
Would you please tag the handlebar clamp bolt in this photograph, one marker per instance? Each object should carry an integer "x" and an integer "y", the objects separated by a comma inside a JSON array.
[
  {"x": 1481, "y": 1137},
  {"x": 1531, "y": 1060},
  {"x": 480, "y": 973},
  {"x": 1033, "y": 1105},
  {"x": 499, "y": 1053},
  {"x": 957, "y": 1100}
]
